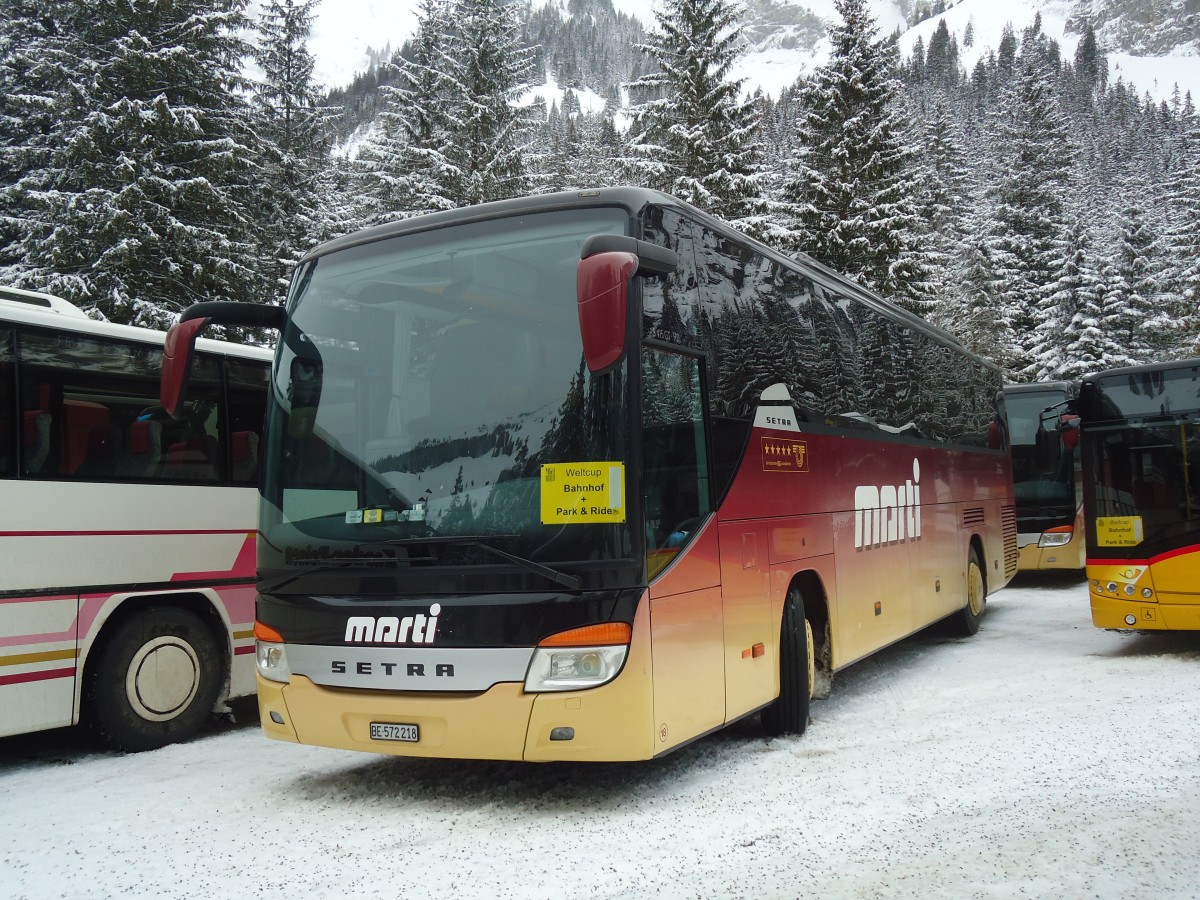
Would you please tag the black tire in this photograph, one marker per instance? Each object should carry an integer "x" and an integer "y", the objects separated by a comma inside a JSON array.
[
  {"x": 789, "y": 713},
  {"x": 967, "y": 620},
  {"x": 155, "y": 681}
]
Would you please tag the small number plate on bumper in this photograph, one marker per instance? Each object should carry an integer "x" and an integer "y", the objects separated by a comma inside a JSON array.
[{"x": 389, "y": 731}]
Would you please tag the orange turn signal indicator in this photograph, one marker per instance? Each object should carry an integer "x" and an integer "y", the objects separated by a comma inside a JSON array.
[
  {"x": 1060, "y": 529},
  {"x": 591, "y": 636},
  {"x": 267, "y": 633}
]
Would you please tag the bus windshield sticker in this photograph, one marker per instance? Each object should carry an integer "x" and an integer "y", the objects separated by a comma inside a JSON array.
[
  {"x": 784, "y": 455},
  {"x": 1119, "y": 531},
  {"x": 583, "y": 493}
]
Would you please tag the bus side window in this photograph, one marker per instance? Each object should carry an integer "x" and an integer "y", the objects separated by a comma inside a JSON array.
[
  {"x": 10, "y": 441},
  {"x": 247, "y": 392},
  {"x": 675, "y": 452}
]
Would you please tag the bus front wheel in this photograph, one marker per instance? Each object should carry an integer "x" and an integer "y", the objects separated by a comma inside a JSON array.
[
  {"x": 789, "y": 713},
  {"x": 156, "y": 680},
  {"x": 972, "y": 613}
]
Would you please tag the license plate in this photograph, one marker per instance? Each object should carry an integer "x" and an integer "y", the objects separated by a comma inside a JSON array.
[{"x": 389, "y": 731}]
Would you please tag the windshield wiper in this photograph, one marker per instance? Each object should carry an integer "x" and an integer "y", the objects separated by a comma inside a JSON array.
[
  {"x": 325, "y": 565},
  {"x": 573, "y": 582}
]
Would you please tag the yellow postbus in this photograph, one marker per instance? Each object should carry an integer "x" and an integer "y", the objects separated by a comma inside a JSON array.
[{"x": 1140, "y": 443}]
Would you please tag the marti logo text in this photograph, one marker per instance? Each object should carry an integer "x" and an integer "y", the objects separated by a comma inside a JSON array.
[
  {"x": 418, "y": 629},
  {"x": 888, "y": 514}
]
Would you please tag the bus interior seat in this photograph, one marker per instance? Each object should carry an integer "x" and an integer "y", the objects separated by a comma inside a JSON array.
[
  {"x": 79, "y": 419},
  {"x": 35, "y": 440},
  {"x": 193, "y": 458},
  {"x": 142, "y": 451},
  {"x": 245, "y": 455},
  {"x": 101, "y": 453}
]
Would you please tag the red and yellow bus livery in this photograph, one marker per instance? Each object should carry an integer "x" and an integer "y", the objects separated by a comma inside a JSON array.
[{"x": 587, "y": 476}]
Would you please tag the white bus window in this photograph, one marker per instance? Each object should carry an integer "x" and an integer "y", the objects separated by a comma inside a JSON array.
[{"x": 88, "y": 412}]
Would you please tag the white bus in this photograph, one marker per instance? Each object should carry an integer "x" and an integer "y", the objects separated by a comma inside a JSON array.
[{"x": 126, "y": 536}]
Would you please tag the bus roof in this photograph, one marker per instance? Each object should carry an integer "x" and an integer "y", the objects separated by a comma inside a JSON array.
[
  {"x": 48, "y": 311},
  {"x": 1069, "y": 388},
  {"x": 634, "y": 200},
  {"x": 1167, "y": 366},
  {"x": 1145, "y": 391},
  {"x": 40, "y": 301}
]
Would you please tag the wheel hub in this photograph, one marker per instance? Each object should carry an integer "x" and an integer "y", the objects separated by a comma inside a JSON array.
[{"x": 163, "y": 677}]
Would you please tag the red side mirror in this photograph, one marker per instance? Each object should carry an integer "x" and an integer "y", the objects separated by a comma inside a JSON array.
[
  {"x": 602, "y": 293},
  {"x": 177, "y": 362},
  {"x": 1068, "y": 427}
]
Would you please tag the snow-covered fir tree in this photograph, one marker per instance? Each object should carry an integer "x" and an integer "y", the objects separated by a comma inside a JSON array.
[
  {"x": 1069, "y": 341},
  {"x": 131, "y": 171},
  {"x": 488, "y": 71},
  {"x": 34, "y": 57},
  {"x": 294, "y": 141},
  {"x": 1030, "y": 195},
  {"x": 694, "y": 135},
  {"x": 138, "y": 206},
  {"x": 1182, "y": 238},
  {"x": 851, "y": 184},
  {"x": 403, "y": 169}
]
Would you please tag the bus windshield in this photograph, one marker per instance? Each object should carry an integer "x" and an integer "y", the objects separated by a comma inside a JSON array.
[
  {"x": 1144, "y": 455},
  {"x": 1146, "y": 473},
  {"x": 1045, "y": 489},
  {"x": 423, "y": 382}
]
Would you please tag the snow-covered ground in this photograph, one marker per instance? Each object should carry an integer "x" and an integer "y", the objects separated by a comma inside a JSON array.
[{"x": 1040, "y": 758}]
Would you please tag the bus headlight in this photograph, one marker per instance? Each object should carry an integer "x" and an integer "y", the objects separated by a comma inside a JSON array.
[
  {"x": 272, "y": 661},
  {"x": 1056, "y": 537},
  {"x": 578, "y": 659},
  {"x": 270, "y": 654},
  {"x": 574, "y": 669}
]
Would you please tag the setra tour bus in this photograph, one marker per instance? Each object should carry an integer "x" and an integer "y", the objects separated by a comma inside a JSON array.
[
  {"x": 586, "y": 476},
  {"x": 1140, "y": 443},
  {"x": 1046, "y": 475},
  {"x": 126, "y": 536}
]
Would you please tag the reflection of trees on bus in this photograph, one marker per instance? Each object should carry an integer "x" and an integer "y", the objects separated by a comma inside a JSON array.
[{"x": 845, "y": 363}]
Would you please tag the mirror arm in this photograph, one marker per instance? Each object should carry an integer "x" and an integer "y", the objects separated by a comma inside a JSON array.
[{"x": 653, "y": 260}]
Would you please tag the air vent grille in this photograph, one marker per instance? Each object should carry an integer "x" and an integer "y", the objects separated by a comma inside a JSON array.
[
  {"x": 973, "y": 517},
  {"x": 1008, "y": 518}
]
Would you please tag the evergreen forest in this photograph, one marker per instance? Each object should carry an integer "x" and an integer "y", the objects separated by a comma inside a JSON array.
[{"x": 155, "y": 154}]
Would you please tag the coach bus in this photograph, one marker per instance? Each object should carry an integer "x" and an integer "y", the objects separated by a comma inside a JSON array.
[
  {"x": 1046, "y": 475},
  {"x": 126, "y": 536},
  {"x": 586, "y": 476},
  {"x": 1140, "y": 442}
]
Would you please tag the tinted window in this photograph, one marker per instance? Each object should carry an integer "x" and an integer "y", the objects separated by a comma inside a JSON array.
[
  {"x": 92, "y": 411},
  {"x": 247, "y": 396},
  {"x": 1147, "y": 393},
  {"x": 12, "y": 435},
  {"x": 760, "y": 322}
]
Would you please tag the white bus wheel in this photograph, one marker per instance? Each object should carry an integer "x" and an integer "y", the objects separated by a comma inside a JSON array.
[{"x": 156, "y": 680}]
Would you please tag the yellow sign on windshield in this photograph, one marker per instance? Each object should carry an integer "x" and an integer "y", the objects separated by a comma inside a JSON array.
[
  {"x": 1118, "y": 531},
  {"x": 583, "y": 493}
]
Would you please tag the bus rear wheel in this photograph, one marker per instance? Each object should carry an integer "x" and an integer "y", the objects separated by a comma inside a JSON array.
[
  {"x": 156, "y": 680},
  {"x": 789, "y": 713},
  {"x": 972, "y": 613}
]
